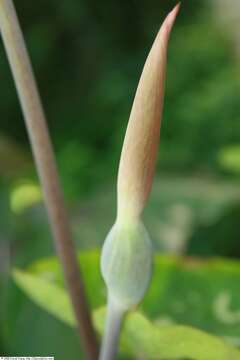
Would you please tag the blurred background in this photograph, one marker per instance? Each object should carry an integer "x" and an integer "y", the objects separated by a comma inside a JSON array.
[{"x": 88, "y": 58}]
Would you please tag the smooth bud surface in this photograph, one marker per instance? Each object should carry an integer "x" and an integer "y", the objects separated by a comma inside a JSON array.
[
  {"x": 126, "y": 263},
  {"x": 138, "y": 158}
]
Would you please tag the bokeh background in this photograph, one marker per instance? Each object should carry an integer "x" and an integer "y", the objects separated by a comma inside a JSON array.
[{"x": 88, "y": 56}]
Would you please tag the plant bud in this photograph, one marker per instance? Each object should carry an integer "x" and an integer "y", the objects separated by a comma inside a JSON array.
[
  {"x": 139, "y": 152},
  {"x": 126, "y": 263}
]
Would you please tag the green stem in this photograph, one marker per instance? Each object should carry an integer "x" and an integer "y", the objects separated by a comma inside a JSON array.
[
  {"x": 112, "y": 331},
  {"x": 47, "y": 169}
]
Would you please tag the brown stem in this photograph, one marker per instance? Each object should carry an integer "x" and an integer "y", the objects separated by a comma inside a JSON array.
[{"x": 47, "y": 170}]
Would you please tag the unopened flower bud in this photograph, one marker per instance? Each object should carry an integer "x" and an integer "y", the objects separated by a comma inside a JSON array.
[{"x": 126, "y": 261}]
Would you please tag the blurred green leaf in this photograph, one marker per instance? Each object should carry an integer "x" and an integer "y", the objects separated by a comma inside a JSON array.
[
  {"x": 195, "y": 292},
  {"x": 24, "y": 195},
  {"x": 229, "y": 158},
  {"x": 47, "y": 295},
  {"x": 190, "y": 292},
  {"x": 140, "y": 336},
  {"x": 49, "y": 270},
  {"x": 146, "y": 339}
]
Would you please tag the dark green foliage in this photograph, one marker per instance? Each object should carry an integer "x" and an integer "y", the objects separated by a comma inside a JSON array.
[
  {"x": 220, "y": 238},
  {"x": 88, "y": 59}
]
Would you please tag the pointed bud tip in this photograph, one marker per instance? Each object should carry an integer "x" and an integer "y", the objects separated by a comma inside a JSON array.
[{"x": 170, "y": 19}]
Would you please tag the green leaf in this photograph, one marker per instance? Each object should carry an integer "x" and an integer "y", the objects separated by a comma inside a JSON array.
[
  {"x": 184, "y": 293},
  {"x": 50, "y": 270},
  {"x": 47, "y": 295},
  {"x": 229, "y": 158},
  {"x": 203, "y": 294},
  {"x": 142, "y": 337}
]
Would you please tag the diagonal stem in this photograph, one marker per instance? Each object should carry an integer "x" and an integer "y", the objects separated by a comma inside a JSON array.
[{"x": 47, "y": 169}]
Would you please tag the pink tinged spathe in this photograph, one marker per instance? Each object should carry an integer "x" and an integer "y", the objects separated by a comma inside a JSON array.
[
  {"x": 138, "y": 158},
  {"x": 127, "y": 256}
]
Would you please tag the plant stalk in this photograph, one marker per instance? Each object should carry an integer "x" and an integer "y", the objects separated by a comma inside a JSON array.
[
  {"x": 47, "y": 170},
  {"x": 113, "y": 323}
]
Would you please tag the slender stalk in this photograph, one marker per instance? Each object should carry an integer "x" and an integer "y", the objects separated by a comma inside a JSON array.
[
  {"x": 112, "y": 331},
  {"x": 47, "y": 169}
]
